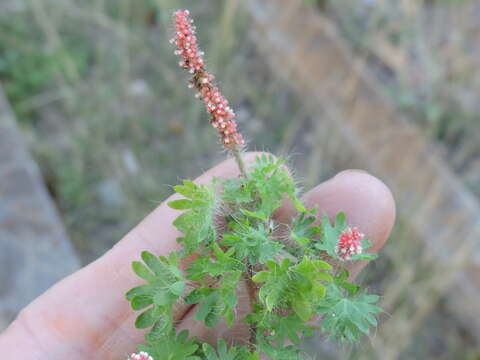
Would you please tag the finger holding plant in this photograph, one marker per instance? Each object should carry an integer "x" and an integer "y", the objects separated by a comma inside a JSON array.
[{"x": 294, "y": 270}]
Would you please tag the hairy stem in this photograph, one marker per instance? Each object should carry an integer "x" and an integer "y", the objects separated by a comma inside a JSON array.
[
  {"x": 238, "y": 159},
  {"x": 252, "y": 296}
]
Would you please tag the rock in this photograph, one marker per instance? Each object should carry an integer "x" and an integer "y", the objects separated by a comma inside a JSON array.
[{"x": 35, "y": 251}]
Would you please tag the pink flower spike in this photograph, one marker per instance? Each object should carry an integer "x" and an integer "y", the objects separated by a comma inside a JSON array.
[
  {"x": 349, "y": 243},
  {"x": 192, "y": 60},
  {"x": 140, "y": 356}
]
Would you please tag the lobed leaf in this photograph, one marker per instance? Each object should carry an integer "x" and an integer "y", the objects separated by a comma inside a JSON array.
[{"x": 172, "y": 347}]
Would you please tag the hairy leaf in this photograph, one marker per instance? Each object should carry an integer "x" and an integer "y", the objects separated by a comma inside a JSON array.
[
  {"x": 196, "y": 224},
  {"x": 172, "y": 347},
  {"x": 347, "y": 317},
  {"x": 165, "y": 284}
]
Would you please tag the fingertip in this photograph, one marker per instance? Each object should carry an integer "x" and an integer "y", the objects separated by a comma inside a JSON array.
[{"x": 366, "y": 201}]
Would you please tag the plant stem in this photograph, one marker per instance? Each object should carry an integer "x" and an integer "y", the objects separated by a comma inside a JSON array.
[
  {"x": 252, "y": 295},
  {"x": 238, "y": 159}
]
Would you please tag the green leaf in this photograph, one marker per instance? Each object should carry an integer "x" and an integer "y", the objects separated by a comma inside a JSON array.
[
  {"x": 256, "y": 215},
  {"x": 140, "y": 302},
  {"x": 197, "y": 295},
  {"x": 188, "y": 189},
  {"x": 177, "y": 288},
  {"x": 272, "y": 182},
  {"x": 322, "y": 265},
  {"x": 302, "y": 225},
  {"x": 142, "y": 271},
  {"x": 280, "y": 327},
  {"x": 203, "y": 310},
  {"x": 277, "y": 352},
  {"x": 196, "y": 224},
  {"x": 347, "y": 317},
  {"x": 341, "y": 280},
  {"x": 252, "y": 241},
  {"x": 302, "y": 308},
  {"x": 175, "y": 271},
  {"x": 224, "y": 353},
  {"x": 298, "y": 204},
  {"x": 162, "y": 298},
  {"x": 165, "y": 283},
  {"x": 182, "y": 204},
  {"x": 212, "y": 318},
  {"x": 214, "y": 303},
  {"x": 145, "y": 319},
  {"x": 153, "y": 263},
  {"x": 261, "y": 276},
  {"x": 139, "y": 290},
  {"x": 220, "y": 264},
  {"x": 278, "y": 287},
  {"x": 229, "y": 317},
  {"x": 172, "y": 347}
]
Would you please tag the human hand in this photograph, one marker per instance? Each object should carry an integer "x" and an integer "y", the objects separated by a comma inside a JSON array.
[{"x": 86, "y": 316}]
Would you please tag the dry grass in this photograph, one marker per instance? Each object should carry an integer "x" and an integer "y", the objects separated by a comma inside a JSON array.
[{"x": 426, "y": 55}]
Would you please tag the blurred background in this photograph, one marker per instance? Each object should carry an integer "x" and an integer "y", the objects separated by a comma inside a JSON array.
[{"x": 97, "y": 123}]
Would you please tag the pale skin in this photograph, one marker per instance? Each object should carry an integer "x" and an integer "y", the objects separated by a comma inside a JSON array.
[{"x": 86, "y": 316}]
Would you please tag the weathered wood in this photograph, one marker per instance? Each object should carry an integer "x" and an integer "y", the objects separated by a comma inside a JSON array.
[
  {"x": 304, "y": 47},
  {"x": 35, "y": 251}
]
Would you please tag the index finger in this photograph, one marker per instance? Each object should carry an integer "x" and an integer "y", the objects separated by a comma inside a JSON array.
[{"x": 87, "y": 311}]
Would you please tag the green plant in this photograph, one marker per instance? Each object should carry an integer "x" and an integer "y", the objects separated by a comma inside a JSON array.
[{"x": 293, "y": 272}]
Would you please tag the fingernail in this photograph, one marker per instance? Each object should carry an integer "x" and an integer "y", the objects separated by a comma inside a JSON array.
[{"x": 352, "y": 171}]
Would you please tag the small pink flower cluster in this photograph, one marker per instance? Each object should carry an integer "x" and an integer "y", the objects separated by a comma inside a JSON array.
[
  {"x": 140, "y": 356},
  {"x": 186, "y": 42},
  {"x": 215, "y": 103},
  {"x": 349, "y": 243},
  {"x": 222, "y": 116}
]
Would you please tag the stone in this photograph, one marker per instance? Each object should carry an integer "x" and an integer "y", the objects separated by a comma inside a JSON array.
[{"x": 35, "y": 251}]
